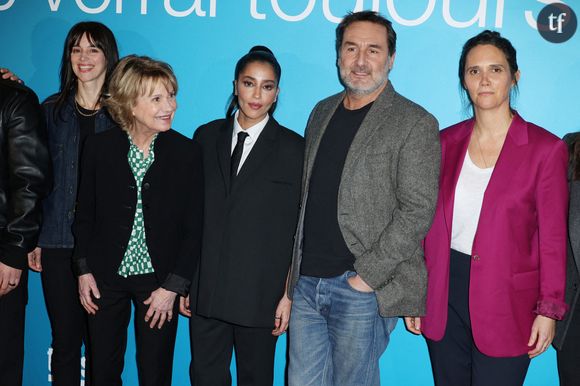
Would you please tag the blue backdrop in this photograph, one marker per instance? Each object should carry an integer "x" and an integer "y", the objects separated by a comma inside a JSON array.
[{"x": 202, "y": 40}]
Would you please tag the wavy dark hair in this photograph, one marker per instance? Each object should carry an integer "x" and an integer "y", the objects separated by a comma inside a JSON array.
[
  {"x": 491, "y": 38},
  {"x": 372, "y": 17},
  {"x": 99, "y": 35},
  {"x": 260, "y": 54}
]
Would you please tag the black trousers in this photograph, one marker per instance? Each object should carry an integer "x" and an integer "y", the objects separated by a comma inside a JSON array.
[
  {"x": 108, "y": 334},
  {"x": 455, "y": 359},
  {"x": 569, "y": 355},
  {"x": 68, "y": 319},
  {"x": 212, "y": 343},
  {"x": 12, "y": 314}
]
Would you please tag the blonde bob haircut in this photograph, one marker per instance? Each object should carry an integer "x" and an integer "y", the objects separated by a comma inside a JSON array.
[{"x": 133, "y": 77}]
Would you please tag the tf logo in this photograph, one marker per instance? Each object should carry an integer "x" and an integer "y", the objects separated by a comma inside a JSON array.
[{"x": 557, "y": 22}]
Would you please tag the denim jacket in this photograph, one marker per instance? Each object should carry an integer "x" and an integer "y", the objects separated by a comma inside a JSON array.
[{"x": 63, "y": 138}]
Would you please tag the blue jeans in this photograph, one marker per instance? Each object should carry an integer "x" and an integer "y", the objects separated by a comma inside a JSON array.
[{"x": 336, "y": 334}]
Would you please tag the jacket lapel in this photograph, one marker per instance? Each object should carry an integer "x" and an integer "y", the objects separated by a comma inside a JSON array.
[
  {"x": 454, "y": 154},
  {"x": 507, "y": 165},
  {"x": 261, "y": 149},
  {"x": 379, "y": 112},
  {"x": 574, "y": 221},
  {"x": 224, "y": 150},
  {"x": 314, "y": 132}
]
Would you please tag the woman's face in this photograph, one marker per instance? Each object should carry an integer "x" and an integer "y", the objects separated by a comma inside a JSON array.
[
  {"x": 257, "y": 89},
  {"x": 154, "y": 113},
  {"x": 487, "y": 78},
  {"x": 88, "y": 62}
]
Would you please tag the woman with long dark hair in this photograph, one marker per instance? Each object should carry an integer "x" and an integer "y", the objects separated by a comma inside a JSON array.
[
  {"x": 72, "y": 115},
  {"x": 252, "y": 171},
  {"x": 496, "y": 252}
]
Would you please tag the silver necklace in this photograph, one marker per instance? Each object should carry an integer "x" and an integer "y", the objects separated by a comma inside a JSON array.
[{"x": 78, "y": 107}]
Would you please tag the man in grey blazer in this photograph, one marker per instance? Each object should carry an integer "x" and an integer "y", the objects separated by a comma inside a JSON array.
[{"x": 369, "y": 193}]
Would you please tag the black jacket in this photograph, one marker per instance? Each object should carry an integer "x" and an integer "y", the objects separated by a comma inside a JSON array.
[
  {"x": 25, "y": 172},
  {"x": 172, "y": 194},
  {"x": 563, "y": 327},
  {"x": 248, "y": 228}
]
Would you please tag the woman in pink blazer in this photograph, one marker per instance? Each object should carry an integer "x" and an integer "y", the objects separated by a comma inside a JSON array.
[{"x": 496, "y": 252}]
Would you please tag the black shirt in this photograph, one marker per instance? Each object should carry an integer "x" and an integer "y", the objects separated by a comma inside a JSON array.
[
  {"x": 325, "y": 253},
  {"x": 86, "y": 126}
]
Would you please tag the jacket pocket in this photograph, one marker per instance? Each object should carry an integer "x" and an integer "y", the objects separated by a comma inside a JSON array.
[{"x": 526, "y": 280}]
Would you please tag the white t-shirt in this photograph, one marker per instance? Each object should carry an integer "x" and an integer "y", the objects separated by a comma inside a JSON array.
[{"x": 469, "y": 193}]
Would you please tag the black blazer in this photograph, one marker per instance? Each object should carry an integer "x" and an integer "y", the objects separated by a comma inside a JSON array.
[
  {"x": 172, "y": 193},
  {"x": 248, "y": 230},
  {"x": 573, "y": 264}
]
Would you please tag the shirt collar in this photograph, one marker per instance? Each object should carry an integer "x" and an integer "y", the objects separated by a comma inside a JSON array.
[{"x": 253, "y": 132}]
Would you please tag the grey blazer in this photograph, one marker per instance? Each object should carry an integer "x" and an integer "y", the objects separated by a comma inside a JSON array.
[
  {"x": 386, "y": 198},
  {"x": 573, "y": 264}
]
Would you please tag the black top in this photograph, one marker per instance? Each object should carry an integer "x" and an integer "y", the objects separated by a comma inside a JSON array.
[
  {"x": 325, "y": 253},
  {"x": 86, "y": 126}
]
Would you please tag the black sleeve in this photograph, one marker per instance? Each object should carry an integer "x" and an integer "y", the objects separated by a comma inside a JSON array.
[
  {"x": 29, "y": 177},
  {"x": 179, "y": 280},
  {"x": 84, "y": 221}
]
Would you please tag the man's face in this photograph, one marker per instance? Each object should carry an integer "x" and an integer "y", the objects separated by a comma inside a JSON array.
[{"x": 364, "y": 60}]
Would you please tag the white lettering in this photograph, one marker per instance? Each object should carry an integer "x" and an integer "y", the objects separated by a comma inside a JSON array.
[
  {"x": 254, "y": 10},
  {"x": 287, "y": 17},
  {"x": 559, "y": 19},
  {"x": 532, "y": 22},
  {"x": 408, "y": 22},
  {"x": 9, "y": 4},
  {"x": 54, "y": 4},
  {"x": 195, "y": 7},
  {"x": 98, "y": 9},
  {"x": 330, "y": 17},
  {"x": 499, "y": 14},
  {"x": 480, "y": 15}
]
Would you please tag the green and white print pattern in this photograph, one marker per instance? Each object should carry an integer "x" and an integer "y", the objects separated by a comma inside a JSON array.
[{"x": 136, "y": 260}]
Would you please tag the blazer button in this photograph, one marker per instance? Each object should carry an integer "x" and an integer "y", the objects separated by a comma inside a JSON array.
[
  {"x": 146, "y": 186},
  {"x": 476, "y": 257}
]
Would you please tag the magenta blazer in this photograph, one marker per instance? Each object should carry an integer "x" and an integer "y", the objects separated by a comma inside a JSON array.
[{"x": 518, "y": 263}]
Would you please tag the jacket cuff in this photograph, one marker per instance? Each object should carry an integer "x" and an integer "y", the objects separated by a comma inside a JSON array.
[
  {"x": 551, "y": 309},
  {"x": 80, "y": 267},
  {"x": 14, "y": 257},
  {"x": 177, "y": 284},
  {"x": 368, "y": 270}
]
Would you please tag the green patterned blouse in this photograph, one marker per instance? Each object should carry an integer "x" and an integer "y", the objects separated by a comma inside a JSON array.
[{"x": 136, "y": 260}]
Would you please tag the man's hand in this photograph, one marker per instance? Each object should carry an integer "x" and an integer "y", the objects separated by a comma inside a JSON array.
[
  {"x": 359, "y": 284},
  {"x": 7, "y": 74},
  {"x": 9, "y": 278}
]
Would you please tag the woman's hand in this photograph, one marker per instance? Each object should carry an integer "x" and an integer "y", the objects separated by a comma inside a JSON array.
[
  {"x": 543, "y": 332},
  {"x": 184, "y": 306},
  {"x": 160, "y": 307},
  {"x": 34, "y": 261},
  {"x": 413, "y": 324},
  {"x": 88, "y": 289},
  {"x": 282, "y": 316}
]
